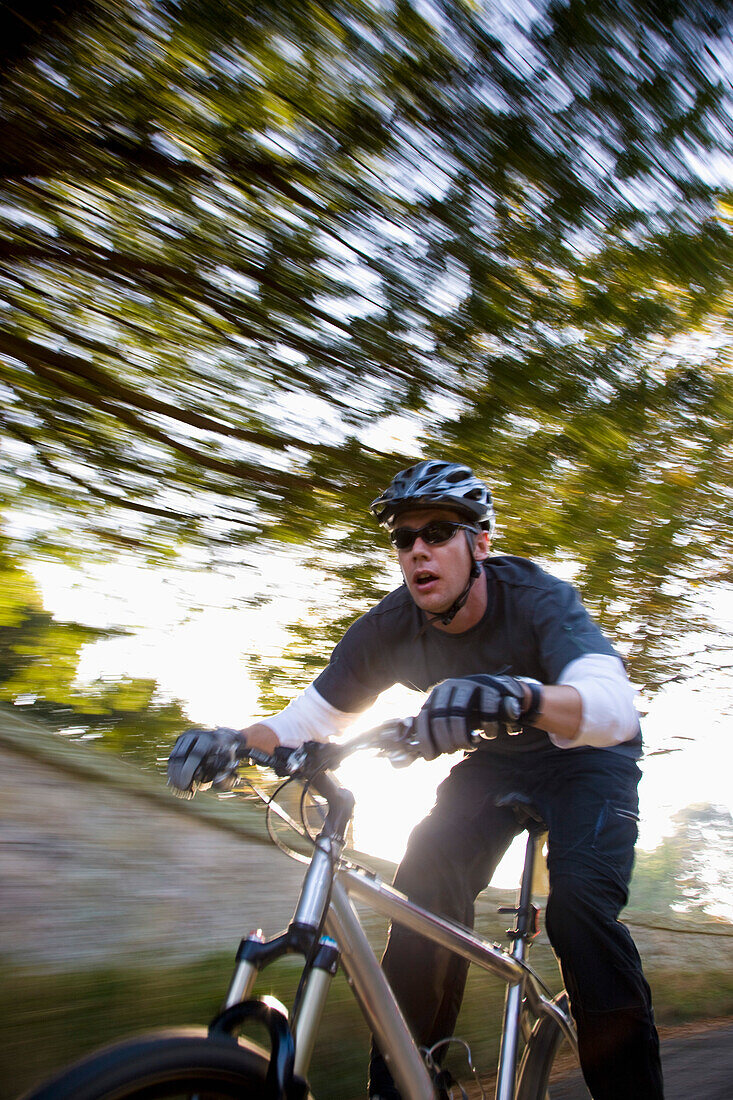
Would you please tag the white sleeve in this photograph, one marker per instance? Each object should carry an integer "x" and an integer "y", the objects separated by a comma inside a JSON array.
[
  {"x": 609, "y": 716},
  {"x": 308, "y": 717}
]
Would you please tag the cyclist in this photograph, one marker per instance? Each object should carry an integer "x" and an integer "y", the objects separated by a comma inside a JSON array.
[{"x": 500, "y": 645}]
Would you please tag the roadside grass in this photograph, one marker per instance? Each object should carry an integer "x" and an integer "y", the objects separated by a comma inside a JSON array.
[
  {"x": 50, "y": 1019},
  {"x": 692, "y": 996}
]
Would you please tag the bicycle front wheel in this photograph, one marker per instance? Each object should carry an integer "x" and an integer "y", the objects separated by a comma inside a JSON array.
[
  {"x": 533, "y": 1082},
  {"x": 166, "y": 1065}
]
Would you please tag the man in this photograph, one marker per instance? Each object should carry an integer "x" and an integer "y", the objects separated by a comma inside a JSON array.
[{"x": 501, "y": 645}]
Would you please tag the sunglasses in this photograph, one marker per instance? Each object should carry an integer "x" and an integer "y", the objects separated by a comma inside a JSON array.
[{"x": 434, "y": 533}]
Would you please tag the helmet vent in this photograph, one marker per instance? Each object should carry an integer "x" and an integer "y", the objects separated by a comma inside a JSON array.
[{"x": 433, "y": 484}]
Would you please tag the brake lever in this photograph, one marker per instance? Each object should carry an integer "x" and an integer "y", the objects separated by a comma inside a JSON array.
[
  {"x": 398, "y": 746},
  {"x": 400, "y": 757}
]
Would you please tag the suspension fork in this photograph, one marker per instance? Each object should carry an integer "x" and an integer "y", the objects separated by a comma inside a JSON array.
[
  {"x": 525, "y": 927},
  {"x": 310, "y": 1011},
  {"x": 302, "y": 935}
]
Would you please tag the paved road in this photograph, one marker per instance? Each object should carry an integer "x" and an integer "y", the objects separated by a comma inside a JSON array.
[{"x": 696, "y": 1067}]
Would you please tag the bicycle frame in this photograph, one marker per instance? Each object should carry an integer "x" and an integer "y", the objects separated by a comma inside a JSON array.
[{"x": 327, "y": 894}]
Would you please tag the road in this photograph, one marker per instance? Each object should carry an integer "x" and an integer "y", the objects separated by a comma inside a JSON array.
[{"x": 696, "y": 1067}]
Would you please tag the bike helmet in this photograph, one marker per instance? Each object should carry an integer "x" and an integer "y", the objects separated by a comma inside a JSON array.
[{"x": 434, "y": 484}]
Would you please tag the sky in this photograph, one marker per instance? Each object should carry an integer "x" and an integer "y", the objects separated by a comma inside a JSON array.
[{"x": 200, "y": 657}]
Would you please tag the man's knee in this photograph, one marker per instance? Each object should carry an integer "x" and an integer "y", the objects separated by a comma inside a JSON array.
[
  {"x": 581, "y": 905},
  {"x": 600, "y": 962},
  {"x": 431, "y": 874},
  {"x": 570, "y": 909}
]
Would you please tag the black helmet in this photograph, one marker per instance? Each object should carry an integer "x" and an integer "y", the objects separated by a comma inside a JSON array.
[{"x": 435, "y": 484}]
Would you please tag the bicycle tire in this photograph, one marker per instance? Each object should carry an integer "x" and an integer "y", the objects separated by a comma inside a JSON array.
[
  {"x": 165, "y": 1065},
  {"x": 533, "y": 1079}
]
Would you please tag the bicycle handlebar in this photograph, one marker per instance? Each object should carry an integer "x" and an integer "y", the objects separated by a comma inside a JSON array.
[
  {"x": 313, "y": 763},
  {"x": 392, "y": 739}
]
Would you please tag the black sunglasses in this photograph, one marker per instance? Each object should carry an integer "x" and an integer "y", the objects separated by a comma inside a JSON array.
[{"x": 434, "y": 533}]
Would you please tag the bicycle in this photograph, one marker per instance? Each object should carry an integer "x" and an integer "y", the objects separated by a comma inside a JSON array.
[{"x": 205, "y": 1064}]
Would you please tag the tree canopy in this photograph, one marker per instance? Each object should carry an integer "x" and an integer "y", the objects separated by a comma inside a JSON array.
[{"x": 254, "y": 258}]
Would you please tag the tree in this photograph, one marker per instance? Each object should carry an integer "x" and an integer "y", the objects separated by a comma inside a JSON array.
[
  {"x": 39, "y": 657},
  {"x": 23, "y": 27},
  {"x": 240, "y": 238},
  {"x": 689, "y": 871},
  {"x": 704, "y": 834}
]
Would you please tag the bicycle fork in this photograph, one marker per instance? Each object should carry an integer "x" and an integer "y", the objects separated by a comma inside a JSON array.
[
  {"x": 525, "y": 928},
  {"x": 302, "y": 937}
]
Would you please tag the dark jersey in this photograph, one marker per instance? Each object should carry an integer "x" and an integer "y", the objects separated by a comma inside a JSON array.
[{"x": 534, "y": 625}]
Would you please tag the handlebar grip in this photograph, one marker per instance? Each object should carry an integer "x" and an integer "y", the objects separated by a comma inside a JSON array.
[
  {"x": 278, "y": 761},
  {"x": 258, "y": 757}
]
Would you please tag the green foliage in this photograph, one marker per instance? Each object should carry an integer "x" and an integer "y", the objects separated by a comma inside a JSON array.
[
  {"x": 706, "y": 994},
  {"x": 239, "y": 238},
  {"x": 654, "y": 887},
  {"x": 104, "y": 1004},
  {"x": 53, "y": 1018},
  {"x": 39, "y": 657}
]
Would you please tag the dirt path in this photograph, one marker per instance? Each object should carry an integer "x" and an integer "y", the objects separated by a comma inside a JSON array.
[
  {"x": 697, "y": 1060},
  {"x": 91, "y": 872}
]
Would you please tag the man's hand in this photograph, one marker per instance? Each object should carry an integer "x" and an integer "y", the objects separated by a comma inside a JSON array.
[
  {"x": 202, "y": 757},
  {"x": 457, "y": 707}
]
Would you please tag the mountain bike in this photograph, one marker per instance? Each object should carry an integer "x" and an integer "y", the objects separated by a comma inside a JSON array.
[{"x": 326, "y": 930}]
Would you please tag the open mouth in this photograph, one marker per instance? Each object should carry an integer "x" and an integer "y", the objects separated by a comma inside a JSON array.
[{"x": 424, "y": 579}]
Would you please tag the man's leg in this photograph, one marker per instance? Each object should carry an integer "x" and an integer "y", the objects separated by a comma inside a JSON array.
[
  {"x": 450, "y": 858},
  {"x": 591, "y": 816}
]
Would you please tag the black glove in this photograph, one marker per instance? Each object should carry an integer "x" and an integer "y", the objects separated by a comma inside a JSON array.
[
  {"x": 202, "y": 757},
  {"x": 455, "y": 708}
]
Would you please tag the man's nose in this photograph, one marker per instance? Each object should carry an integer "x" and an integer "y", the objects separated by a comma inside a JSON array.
[{"x": 420, "y": 548}]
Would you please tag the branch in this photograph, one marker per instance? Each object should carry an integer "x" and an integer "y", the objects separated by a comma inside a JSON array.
[
  {"x": 57, "y": 364},
  {"x": 260, "y": 475},
  {"x": 122, "y": 502},
  {"x": 73, "y": 248}
]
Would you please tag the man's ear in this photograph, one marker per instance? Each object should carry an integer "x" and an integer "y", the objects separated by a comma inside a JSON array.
[{"x": 482, "y": 546}]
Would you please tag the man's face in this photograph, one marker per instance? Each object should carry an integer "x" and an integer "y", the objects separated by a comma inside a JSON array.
[{"x": 436, "y": 575}]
